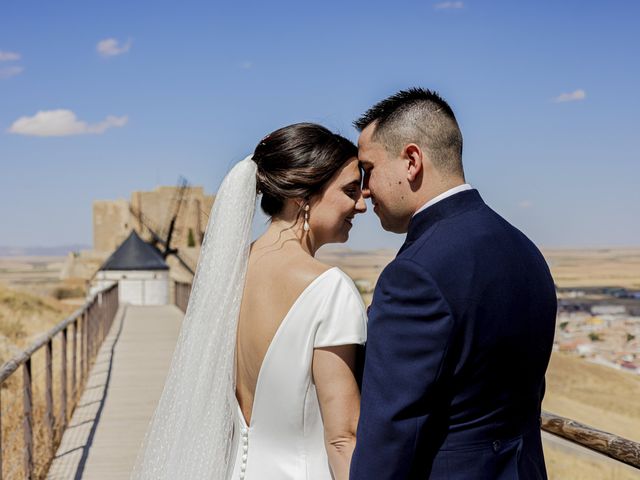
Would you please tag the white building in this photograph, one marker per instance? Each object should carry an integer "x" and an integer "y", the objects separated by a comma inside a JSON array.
[
  {"x": 140, "y": 271},
  {"x": 608, "y": 310}
]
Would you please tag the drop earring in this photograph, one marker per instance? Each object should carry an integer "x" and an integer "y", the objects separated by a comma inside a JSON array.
[{"x": 306, "y": 218}]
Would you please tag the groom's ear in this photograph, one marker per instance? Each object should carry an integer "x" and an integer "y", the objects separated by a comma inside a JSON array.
[{"x": 414, "y": 158}]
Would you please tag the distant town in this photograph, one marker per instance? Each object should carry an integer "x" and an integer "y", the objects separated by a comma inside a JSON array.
[{"x": 600, "y": 325}]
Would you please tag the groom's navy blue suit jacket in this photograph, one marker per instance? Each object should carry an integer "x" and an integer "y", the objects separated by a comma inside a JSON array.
[{"x": 460, "y": 333}]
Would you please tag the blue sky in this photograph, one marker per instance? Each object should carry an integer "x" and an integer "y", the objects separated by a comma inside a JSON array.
[{"x": 161, "y": 89}]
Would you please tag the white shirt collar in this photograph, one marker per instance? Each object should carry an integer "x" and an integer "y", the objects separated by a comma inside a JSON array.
[{"x": 443, "y": 195}]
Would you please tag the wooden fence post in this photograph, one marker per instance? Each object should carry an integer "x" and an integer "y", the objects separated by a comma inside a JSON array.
[
  {"x": 0, "y": 434},
  {"x": 74, "y": 388},
  {"x": 49, "y": 392},
  {"x": 63, "y": 380},
  {"x": 83, "y": 346},
  {"x": 89, "y": 331},
  {"x": 95, "y": 321},
  {"x": 88, "y": 340},
  {"x": 27, "y": 422},
  {"x": 103, "y": 319},
  {"x": 112, "y": 309}
]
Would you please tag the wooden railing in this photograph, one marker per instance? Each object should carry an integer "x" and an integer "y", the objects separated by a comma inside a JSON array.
[
  {"x": 79, "y": 337},
  {"x": 613, "y": 446},
  {"x": 182, "y": 292}
]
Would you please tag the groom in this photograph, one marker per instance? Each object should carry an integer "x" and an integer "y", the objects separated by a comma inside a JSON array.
[{"x": 462, "y": 321}]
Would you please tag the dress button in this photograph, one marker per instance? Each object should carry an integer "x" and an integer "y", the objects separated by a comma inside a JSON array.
[
  {"x": 496, "y": 446},
  {"x": 244, "y": 458},
  {"x": 245, "y": 448}
]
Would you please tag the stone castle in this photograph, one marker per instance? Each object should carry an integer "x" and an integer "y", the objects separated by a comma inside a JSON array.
[{"x": 113, "y": 221}]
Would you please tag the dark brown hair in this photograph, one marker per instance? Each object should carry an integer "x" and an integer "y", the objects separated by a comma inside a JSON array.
[
  {"x": 420, "y": 116},
  {"x": 296, "y": 161}
]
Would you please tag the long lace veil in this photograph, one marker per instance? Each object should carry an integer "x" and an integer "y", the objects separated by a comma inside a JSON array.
[{"x": 190, "y": 432}]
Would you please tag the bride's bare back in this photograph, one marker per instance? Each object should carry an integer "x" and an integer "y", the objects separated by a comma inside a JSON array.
[
  {"x": 276, "y": 276},
  {"x": 281, "y": 268}
]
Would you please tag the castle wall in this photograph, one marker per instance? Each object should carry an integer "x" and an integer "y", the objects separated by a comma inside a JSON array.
[{"x": 113, "y": 220}]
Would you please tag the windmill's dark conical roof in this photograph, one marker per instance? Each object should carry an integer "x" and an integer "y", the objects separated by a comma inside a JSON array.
[{"x": 135, "y": 254}]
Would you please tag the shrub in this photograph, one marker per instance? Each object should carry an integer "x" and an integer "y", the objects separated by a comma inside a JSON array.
[
  {"x": 594, "y": 337},
  {"x": 61, "y": 293}
]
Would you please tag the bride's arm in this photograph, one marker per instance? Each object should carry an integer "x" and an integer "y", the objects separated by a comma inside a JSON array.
[{"x": 339, "y": 398}]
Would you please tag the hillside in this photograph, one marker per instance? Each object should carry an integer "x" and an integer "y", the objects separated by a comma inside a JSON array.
[
  {"x": 598, "y": 396},
  {"x": 23, "y": 316}
]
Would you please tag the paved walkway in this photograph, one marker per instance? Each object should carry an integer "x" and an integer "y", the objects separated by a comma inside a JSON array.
[{"x": 107, "y": 428}]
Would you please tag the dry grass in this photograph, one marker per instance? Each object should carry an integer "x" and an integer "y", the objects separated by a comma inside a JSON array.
[
  {"x": 35, "y": 275},
  {"x": 619, "y": 267},
  {"x": 568, "y": 464},
  {"x": 599, "y": 396},
  {"x": 358, "y": 265},
  {"x": 23, "y": 317}
]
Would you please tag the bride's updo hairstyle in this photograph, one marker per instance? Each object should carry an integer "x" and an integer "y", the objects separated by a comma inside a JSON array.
[{"x": 296, "y": 161}]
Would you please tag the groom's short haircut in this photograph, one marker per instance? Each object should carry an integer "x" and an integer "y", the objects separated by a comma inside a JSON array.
[{"x": 417, "y": 116}]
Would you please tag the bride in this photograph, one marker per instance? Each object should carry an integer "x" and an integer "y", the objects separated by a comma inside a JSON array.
[{"x": 262, "y": 383}]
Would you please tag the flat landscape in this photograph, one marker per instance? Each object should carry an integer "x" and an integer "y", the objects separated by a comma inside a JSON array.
[
  {"x": 30, "y": 299},
  {"x": 604, "y": 267},
  {"x": 35, "y": 274},
  {"x": 593, "y": 394}
]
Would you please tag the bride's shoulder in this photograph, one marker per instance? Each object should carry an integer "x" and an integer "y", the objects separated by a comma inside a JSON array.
[
  {"x": 314, "y": 271},
  {"x": 331, "y": 277},
  {"x": 308, "y": 270}
]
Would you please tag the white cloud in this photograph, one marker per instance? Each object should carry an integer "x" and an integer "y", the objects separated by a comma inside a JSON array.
[
  {"x": 574, "y": 96},
  {"x": 8, "y": 56},
  {"x": 8, "y": 72},
  {"x": 110, "y": 47},
  {"x": 525, "y": 204},
  {"x": 61, "y": 123},
  {"x": 449, "y": 5}
]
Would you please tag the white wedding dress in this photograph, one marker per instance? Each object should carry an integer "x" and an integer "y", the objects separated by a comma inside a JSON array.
[
  {"x": 197, "y": 431},
  {"x": 285, "y": 440}
]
